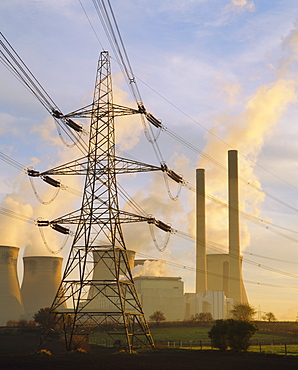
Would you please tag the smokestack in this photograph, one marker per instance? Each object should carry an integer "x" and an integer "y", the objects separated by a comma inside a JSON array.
[
  {"x": 11, "y": 307},
  {"x": 201, "y": 270},
  {"x": 42, "y": 277},
  {"x": 234, "y": 233}
]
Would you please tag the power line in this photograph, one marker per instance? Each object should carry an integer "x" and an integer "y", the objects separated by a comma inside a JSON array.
[
  {"x": 123, "y": 193},
  {"x": 123, "y": 61},
  {"x": 193, "y": 269}
]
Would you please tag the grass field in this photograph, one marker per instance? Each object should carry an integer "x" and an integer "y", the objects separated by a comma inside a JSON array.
[{"x": 277, "y": 338}]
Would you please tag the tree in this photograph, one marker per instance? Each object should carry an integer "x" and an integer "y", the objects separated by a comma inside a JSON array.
[
  {"x": 269, "y": 316},
  {"x": 12, "y": 323},
  {"x": 43, "y": 318},
  {"x": 231, "y": 333},
  {"x": 243, "y": 312},
  {"x": 157, "y": 316},
  {"x": 26, "y": 324},
  {"x": 22, "y": 324},
  {"x": 202, "y": 317},
  {"x": 205, "y": 317}
]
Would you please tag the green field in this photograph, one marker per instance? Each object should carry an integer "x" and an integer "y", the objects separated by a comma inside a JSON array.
[
  {"x": 278, "y": 338},
  {"x": 266, "y": 334},
  {"x": 270, "y": 338}
]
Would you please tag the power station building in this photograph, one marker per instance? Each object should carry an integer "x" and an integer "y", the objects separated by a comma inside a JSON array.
[
  {"x": 219, "y": 282},
  {"x": 163, "y": 294}
]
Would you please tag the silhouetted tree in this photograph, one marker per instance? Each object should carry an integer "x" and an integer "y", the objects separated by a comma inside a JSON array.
[
  {"x": 22, "y": 324},
  {"x": 205, "y": 317},
  {"x": 157, "y": 316},
  {"x": 202, "y": 317},
  {"x": 243, "y": 312},
  {"x": 43, "y": 318},
  {"x": 269, "y": 316}
]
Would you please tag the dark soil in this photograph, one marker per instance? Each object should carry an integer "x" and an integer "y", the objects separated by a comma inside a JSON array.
[{"x": 17, "y": 352}]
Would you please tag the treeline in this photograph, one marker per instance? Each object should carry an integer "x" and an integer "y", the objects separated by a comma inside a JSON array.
[{"x": 278, "y": 326}]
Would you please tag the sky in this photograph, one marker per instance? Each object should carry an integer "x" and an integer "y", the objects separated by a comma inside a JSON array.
[{"x": 221, "y": 74}]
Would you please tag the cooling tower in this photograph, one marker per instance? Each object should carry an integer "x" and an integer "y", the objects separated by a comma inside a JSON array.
[
  {"x": 104, "y": 270},
  {"x": 237, "y": 290},
  {"x": 42, "y": 277},
  {"x": 11, "y": 307},
  {"x": 201, "y": 274}
]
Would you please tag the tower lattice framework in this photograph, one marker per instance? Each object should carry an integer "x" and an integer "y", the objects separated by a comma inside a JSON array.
[{"x": 87, "y": 300}]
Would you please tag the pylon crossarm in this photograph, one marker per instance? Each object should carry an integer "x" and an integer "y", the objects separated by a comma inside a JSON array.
[
  {"x": 124, "y": 165},
  {"x": 98, "y": 218},
  {"x": 80, "y": 167},
  {"x": 114, "y": 109}
]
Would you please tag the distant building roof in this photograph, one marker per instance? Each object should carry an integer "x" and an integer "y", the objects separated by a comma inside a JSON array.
[{"x": 157, "y": 278}]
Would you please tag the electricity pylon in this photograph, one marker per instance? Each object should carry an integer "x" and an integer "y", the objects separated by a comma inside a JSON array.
[
  {"x": 97, "y": 288},
  {"x": 86, "y": 298}
]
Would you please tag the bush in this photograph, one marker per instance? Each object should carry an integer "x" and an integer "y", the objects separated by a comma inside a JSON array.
[
  {"x": 231, "y": 333},
  {"x": 239, "y": 334},
  {"x": 202, "y": 317},
  {"x": 22, "y": 324},
  {"x": 219, "y": 335}
]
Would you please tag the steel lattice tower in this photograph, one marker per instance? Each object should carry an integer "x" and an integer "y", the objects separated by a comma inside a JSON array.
[{"x": 84, "y": 301}]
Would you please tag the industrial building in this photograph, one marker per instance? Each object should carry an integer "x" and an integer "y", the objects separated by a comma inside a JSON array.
[
  {"x": 163, "y": 294},
  {"x": 219, "y": 282}
]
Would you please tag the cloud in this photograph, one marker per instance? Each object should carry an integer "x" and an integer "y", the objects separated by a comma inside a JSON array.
[
  {"x": 7, "y": 126},
  {"x": 12, "y": 230},
  {"x": 128, "y": 128},
  {"x": 245, "y": 132},
  {"x": 154, "y": 201},
  {"x": 151, "y": 268},
  {"x": 240, "y": 5},
  {"x": 230, "y": 91}
]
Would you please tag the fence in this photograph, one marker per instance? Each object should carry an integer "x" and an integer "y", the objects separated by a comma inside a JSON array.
[
  {"x": 282, "y": 348},
  {"x": 277, "y": 347}
]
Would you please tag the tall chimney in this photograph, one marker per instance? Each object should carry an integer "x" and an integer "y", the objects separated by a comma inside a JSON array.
[
  {"x": 11, "y": 306},
  {"x": 234, "y": 233},
  {"x": 201, "y": 269}
]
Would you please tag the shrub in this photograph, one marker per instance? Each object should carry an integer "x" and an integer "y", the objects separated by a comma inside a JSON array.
[
  {"x": 202, "y": 317},
  {"x": 219, "y": 335},
  {"x": 231, "y": 333},
  {"x": 12, "y": 323},
  {"x": 239, "y": 334}
]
